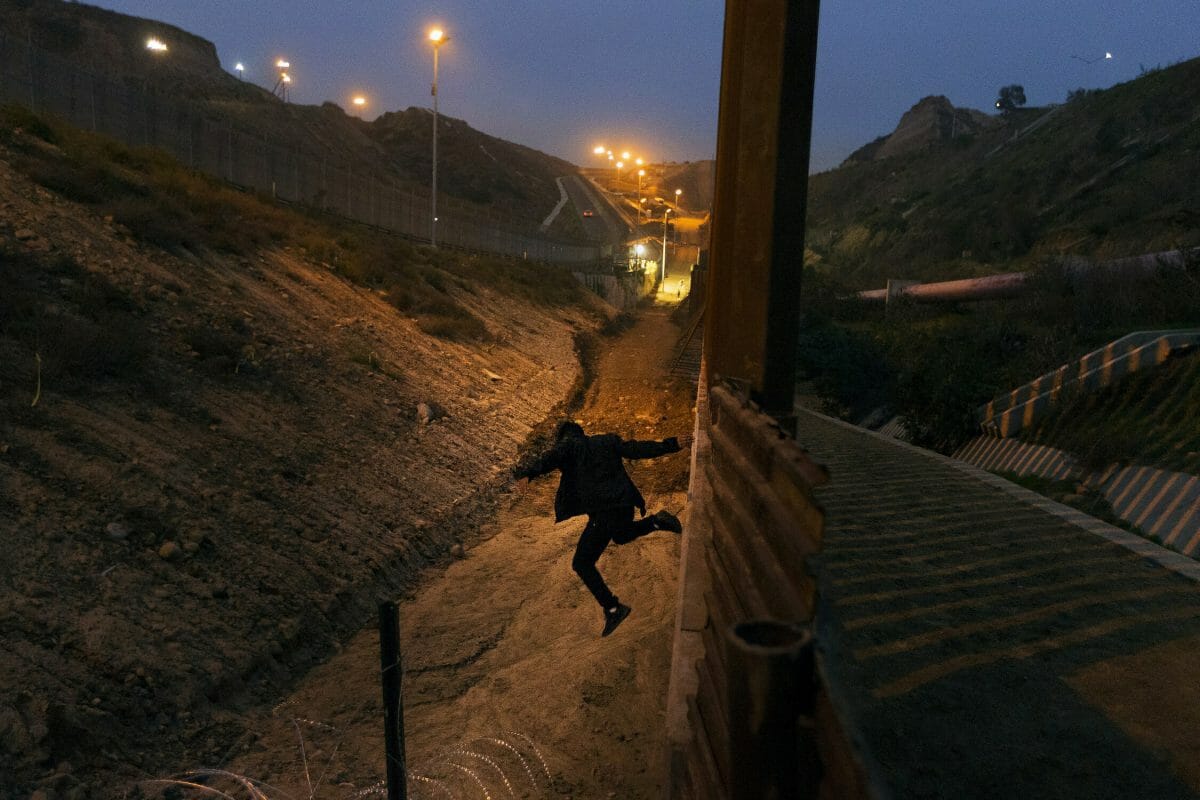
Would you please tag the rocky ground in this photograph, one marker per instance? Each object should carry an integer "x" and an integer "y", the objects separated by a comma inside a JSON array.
[{"x": 210, "y": 468}]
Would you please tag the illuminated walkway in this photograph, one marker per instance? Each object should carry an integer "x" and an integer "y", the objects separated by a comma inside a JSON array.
[{"x": 990, "y": 647}]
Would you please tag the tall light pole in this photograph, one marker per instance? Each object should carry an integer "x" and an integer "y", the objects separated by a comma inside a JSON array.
[
  {"x": 641, "y": 173},
  {"x": 283, "y": 65},
  {"x": 663, "y": 280},
  {"x": 678, "y": 192},
  {"x": 438, "y": 38}
]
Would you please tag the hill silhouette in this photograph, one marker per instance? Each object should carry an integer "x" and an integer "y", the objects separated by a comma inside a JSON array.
[{"x": 1109, "y": 173}]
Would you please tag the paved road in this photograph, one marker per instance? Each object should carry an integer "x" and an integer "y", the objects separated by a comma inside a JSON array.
[
  {"x": 988, "y": 648},
  {"x": 604, "y": 225}
]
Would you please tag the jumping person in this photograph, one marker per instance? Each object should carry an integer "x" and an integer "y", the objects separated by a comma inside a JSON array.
[{"x": 594, "y": 482}]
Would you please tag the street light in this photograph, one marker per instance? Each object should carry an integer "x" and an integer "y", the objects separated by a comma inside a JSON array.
[
  {"x": 239, "y": 68},
  {"x": 625, "y": 156},
  {"x": 640, "y": 249},
  {"x": 438, "y": 38},
  {"x": 641, "y": 173},
  {"x": 156, "y": 45},
  {"x": 678, "y": 192},
  {"x": 359, "y": 101},
  {"x": 282, "y": 65},
  {"x": 619, "y": 165},
  {"x": 599, "y": 150}
]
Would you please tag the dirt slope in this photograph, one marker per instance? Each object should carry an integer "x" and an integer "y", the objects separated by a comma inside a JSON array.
[
  {"x": 224, "y": 467},
  {"x": 505, "y": 644}
]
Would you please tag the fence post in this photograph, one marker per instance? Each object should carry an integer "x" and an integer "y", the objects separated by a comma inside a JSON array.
[
  {"x": 391, "y": 672},
  {"x": 771, "y": 693}
]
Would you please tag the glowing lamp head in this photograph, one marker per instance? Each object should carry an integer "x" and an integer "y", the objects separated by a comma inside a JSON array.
[
  {"x": 156, "y": 45},
  {"x": 641, "y": 172},
  {"x": 620, "y": 164},
  {"x": 359, "y": 100},
  {"x": 639, "y": 162},
  {"x": 599, "y": 150},
  {"x": 625, "y": 155},
  {"x": 639, "y": 249},
  {"x": 283, "y": 63},
  {"x": 678, "y": 192},
  {"x": 437, "y": 36},
  {"x": 1107, "y": 56},
  {"x": 239, "y": 67},
  {"x": 285, "y": 78}
]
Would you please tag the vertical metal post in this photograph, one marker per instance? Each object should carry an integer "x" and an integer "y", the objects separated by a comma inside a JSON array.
[
  {"x": 433, "y": 211},
  {"x": 771, "y": 695},
  {"x": 790, "y": 210},
  {"x": 763, "y": 134},
  {"x": 391, "y": 672},
  {"x": 662, "y": 286}
]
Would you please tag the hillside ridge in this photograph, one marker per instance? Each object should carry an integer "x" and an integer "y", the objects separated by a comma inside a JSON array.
[
  {"x": 502, "y": 180},
  {"x": 1107, "y": 174}
]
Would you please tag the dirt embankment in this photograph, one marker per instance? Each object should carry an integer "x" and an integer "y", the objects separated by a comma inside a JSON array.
[
  {"x": 502, "y": 651},
  {"x": 228, "y": 461}
]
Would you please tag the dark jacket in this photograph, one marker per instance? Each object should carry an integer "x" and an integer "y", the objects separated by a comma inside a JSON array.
[{"x": 593, "y": 473}]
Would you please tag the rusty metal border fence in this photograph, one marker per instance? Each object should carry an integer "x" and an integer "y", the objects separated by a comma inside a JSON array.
[{"x": 140, "y": 116}]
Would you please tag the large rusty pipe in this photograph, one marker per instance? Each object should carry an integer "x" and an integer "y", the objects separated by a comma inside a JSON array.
[
  {"x": 1009, "y": 284},
  {"x": 771, "y": 695}
]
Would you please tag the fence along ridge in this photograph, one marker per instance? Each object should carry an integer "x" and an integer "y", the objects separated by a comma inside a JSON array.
[{"x": 212, "y": 143}]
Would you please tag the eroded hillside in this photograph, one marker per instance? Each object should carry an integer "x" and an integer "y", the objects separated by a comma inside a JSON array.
[{"x": 214, "y": 457}]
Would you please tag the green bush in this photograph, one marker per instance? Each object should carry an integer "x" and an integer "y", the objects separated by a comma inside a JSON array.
[{"x": 847, "y": 368}]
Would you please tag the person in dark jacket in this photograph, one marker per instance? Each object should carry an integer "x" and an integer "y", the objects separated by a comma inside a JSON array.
[{"x": 594, "y": 482}]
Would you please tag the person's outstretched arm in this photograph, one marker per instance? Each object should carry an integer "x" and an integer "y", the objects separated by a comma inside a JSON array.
[
  {"x": 546, "y": 463},
  {"x": 639, "y": 449}
]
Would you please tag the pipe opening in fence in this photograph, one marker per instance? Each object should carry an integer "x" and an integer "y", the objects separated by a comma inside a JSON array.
[{"x": 770, "y": 635}]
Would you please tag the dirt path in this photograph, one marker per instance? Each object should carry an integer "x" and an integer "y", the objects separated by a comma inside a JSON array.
[{"x": 505, "y": 643}]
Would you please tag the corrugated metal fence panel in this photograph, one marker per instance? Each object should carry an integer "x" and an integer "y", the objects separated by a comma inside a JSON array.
[{"x": 762, "y": 524}]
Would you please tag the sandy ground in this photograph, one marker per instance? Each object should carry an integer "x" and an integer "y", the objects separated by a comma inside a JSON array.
[{"x": 503, "y": 659}]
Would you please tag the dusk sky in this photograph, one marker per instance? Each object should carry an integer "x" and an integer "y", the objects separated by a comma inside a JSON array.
[{"x": 563, "y": 76}]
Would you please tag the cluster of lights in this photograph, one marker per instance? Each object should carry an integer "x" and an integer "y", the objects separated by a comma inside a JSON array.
[
  {"x": 624, "y": 156},
  {"x": 156, "y": 45}
]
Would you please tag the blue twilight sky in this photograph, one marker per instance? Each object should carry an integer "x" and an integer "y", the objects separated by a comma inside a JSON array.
[{"x": 564, "y": 75}]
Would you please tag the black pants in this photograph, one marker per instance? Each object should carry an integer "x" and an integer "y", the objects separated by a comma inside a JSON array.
[{"x": 611, "y": 525}]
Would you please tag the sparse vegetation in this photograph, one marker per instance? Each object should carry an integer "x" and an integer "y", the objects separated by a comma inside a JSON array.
[
  {"x": 1112, "y": 173},
  {"x": 934, "y": 365},
  {"x": 162, "y": 203},
  {"x": 93, "y": 334}
]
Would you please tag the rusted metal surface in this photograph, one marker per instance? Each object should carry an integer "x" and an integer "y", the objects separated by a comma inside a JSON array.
[
  {"x": 757, "y": 249},
  {"x": 753, "y": 524},
  {"x": 754, "y": 514}
]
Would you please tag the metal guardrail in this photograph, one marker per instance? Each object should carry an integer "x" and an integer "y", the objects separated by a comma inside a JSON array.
[{"x": 133, "y": 112}]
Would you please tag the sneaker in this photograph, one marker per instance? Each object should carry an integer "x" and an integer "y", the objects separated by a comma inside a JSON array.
[
  {"x": 666, "y": 521},
  {"x": 614, "y": 617}
]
